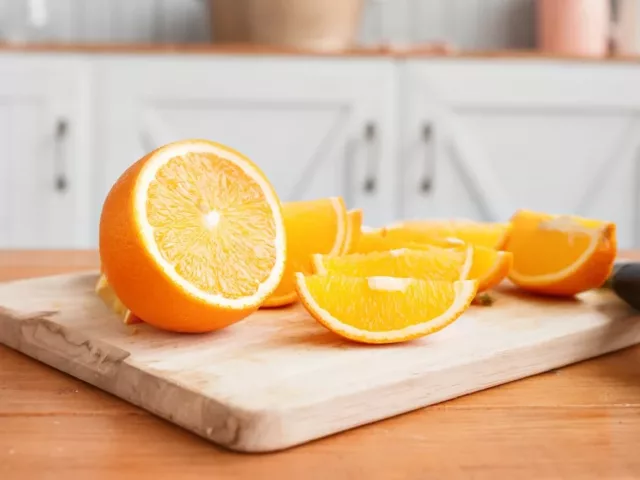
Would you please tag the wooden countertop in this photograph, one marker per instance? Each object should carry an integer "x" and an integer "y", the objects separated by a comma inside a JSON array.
[
  {"x": 582, "y": 421},
  {"x": 437, "y": 51}
]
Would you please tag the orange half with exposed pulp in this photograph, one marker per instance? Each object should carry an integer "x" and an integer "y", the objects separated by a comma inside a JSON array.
[{"x": 192, "y": 237}]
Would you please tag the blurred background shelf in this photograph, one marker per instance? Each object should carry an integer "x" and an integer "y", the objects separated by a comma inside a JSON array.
[
  {"x": 468, "y": 24},
  {"x": 442, "y": 108}
]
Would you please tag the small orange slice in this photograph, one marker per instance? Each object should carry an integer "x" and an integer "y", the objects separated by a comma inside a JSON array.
[
  {"x": 192, "y": 237},
  {"x": 490, "y": 267},
  {"x": 108, "y": 296},
  {"x": 560, "y": 254},
  {"x": 484, "y": 234},
  {"x": 383, "y": 309},
  {"x": 354, "y": 226},
  {"x": 431, "y": 262},
  {"x": 312, "y": 226}
]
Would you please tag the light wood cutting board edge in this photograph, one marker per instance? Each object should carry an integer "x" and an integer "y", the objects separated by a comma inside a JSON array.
[{"x": 265, "y": 430}]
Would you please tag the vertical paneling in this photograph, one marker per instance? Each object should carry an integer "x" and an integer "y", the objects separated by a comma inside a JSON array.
[
  {"x": 61, "y": 25},
  {"x": 427, "y": 21},
  {"x": 495, "y": 25},
  {"x": 95, "y": 21},
  {"x": 183, "y": 21},
  {"x": 135, "y": 20},
  {"x": 466, "y": 24},
  {"x": 5, "y": 168}
]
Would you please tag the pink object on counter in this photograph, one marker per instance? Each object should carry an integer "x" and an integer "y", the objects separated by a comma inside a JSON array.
[{"x": 574, "y": 27}]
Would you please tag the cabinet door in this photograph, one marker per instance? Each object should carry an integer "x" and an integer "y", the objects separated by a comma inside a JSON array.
[
  {"x": 317, "y": 127},
  {"x": 484, "y": 138},
  {"x": 43, "y": 179}
]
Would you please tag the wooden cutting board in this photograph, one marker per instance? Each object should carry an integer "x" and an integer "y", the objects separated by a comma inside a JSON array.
[{"x": 279, "y": 379}]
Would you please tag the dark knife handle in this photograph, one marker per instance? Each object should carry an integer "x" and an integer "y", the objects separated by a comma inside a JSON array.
[{"x": 625, "y": 282}]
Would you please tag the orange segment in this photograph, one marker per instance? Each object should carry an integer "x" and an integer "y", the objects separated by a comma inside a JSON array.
[
  {"x": 192, "y": 237},
  {"x": 432, "y": 262},
  {"x": 378, "y": 241},
  {"x": 490, "y": 267},
  {"x": 383, "y": 309},
  {"x": 484, "y": 234},
  {"x": 312, "y": 226},
  {"x": 560, "y": 254},
  {"x": 354, "y": 225},
  {"x": 108, "y": 296}
]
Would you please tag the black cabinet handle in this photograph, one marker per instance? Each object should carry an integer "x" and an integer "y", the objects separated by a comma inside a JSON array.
[
  {"x": 371, "y": 138},
  {"x": 61, "y": 182},
  {"x": 425, "y": 184}
]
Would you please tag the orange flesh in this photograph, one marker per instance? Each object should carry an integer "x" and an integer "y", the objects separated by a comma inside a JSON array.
[
  {"x": 312, "y": 227},
  {"x": 490, "y": 267},
  {"x": 206, "y": 212},
  {"x": 430, "y": 262},
  {"x": 558, "y": 243},
  {"x": 353, "y": 302},
  {"x": 491, "y": 235},
  {"x": 378, "y": 241}
]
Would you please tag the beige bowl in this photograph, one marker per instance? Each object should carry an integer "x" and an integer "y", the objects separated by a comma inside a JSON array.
[{"x": 323, "y": 25}]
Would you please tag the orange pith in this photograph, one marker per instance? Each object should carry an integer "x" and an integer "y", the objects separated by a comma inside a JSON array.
[
  {"x": 560, "y": 254},
  {"x": 485, "y": 234},
  {"x": 430, "y": 262},
  {"x": 312, "y": 226},
  {"x": 383, "y": 309},
  {"x": 192, "y": 237}
]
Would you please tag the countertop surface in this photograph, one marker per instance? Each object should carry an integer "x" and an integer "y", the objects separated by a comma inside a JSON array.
[
  {"x": 581, "y": 421},
  {"x": 436, "y": 51}
]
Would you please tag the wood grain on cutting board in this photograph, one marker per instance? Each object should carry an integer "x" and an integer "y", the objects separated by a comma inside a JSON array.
[{"x": 279, "y": 379}]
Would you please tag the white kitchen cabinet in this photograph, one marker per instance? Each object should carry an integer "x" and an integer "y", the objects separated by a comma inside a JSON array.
[
  {"x": 316, "y": 126},
  {"x": 44, "y": 143},
  {"x": 480, "y": 139}
]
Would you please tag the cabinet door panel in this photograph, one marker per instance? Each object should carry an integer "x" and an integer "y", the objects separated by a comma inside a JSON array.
[
  {"x": 512, "y": 136},
  {"x": 36, "y": 96},
  {"x": 316, "y": 128}
]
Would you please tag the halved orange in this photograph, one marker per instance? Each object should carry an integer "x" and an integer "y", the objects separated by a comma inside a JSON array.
[
  {"x": 108, "y": 296},
  {"x": 484, "y": 234},
  {"x": 490, "y": 267},
  {"x": 383, "y": 309},
  {"x": 430, "y": 262},
  {"x": 560, "y": 254},
  {"x": 312, "y": 226},
  {"x": 192, "y": 237},
  {"x": 354, "y": 225}
]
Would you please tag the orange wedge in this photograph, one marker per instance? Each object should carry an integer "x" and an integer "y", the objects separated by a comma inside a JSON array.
[
  {"x": 484, "y": 234},
  {"x": 383, "y": 309},
  {"x": 312, "y": 226},
  {"x": 431, "y": 262},
  {"x": 378, "y": 241},
  {"x": 490, "y": 267},
  {"x": 192, "y": 237},
  {"x": 108, "y": 296},
  {"x": 354, "y": 225},
  {"x": 560, "y": 254}
]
